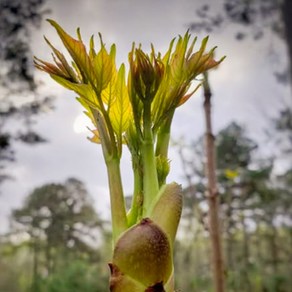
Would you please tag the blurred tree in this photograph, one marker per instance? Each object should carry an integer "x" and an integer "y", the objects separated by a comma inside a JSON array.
[
  {"x": 255, "y": 208},
  {"x": 281, "y": 133},
  {"x": 233, "y": 151},
  {"x": 61, "y": 224},
  {"x": 234, "y": 156},
  {"x": 78, "y": 276},
  {"x": 234, "y": 148},
  {"x": 19, "y": 99},
  {"x": 7, "y": 279},
  {"x": 258, "y": 15},
  {"x": 212, "y": 194}
]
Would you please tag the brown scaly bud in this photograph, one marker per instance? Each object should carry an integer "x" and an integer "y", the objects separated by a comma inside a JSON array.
[{"x": 143, "y": 256}]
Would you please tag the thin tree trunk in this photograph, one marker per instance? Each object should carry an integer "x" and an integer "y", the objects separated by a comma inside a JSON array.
[
  {"x": 259, "y": 251},
  {"x": 289, "y": 257},
  {"x": 245, "y": 254},
  {"x": 48, "y": 258},
  {"x": 229, "y": 235},
  {"x": 274, "y": 248},
  {"x": 35, "y": 277},
  {"x": 212, "y": 194},
  {"x": 286, "y": 13}
]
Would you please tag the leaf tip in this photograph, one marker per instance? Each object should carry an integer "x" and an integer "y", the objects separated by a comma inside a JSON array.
[{"x": 51, "y": 21}]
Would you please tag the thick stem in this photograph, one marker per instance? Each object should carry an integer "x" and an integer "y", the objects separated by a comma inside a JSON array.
[
  {"x": 112, "y": 160},
  {"x": 135, "y": 212},
  {"x": 163, "y": 138},
  {"x": 150, "y": 179},
  {"x": 212, "y": 194},
  {"x": 161, "y": 150},
  {"x": 118, "y": 210}
]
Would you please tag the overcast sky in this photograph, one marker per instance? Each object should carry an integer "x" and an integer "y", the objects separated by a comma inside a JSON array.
[{"x": 244, "y": 90}]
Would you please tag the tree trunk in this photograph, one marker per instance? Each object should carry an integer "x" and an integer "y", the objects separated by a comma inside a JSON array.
[
  {"x": 245, "y": 254},
  {"x": 289, "y": 257},
  {"x": 212, "y": 194},
  {"x": 35, "y": 276},
  {"x": 259, "y": 251},
  {"x": 48, "y": 258},
  {"x": 229, "y": 235},
  {"x": 274, "y": 248},
  {"x": 286, "y": 13}
]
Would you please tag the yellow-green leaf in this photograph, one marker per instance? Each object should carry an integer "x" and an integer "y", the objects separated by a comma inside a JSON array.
[
  {"x": 167, "y": 55},
  {"x": 63, "y": 64},
  {"x": 208, "y": 62},
  {"x": 108, "y": 95},
  {"x": 195, "y": 59},
  {"x": 77, "y": 51},
  {"x": 231, "y": 174},
  {"x": 49, "y": 68},
  {"x": 103, "y": 68},
  {"x": 120, "y": 112},
  {"x": 177, "y": 61},
  {"x": 95, "y": 138},
  {"x": 85, "y": 91},
  {"x": 187, "y": 96}
]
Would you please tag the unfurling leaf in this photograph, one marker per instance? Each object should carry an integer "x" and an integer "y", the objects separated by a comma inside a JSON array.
[
  {"x": 77, "y": 50},
  {"x": 95, "y": 138},
  {"x": 85, "y": 91},
  {"x": 163, "y": 168},
  {"x": 62, "y": 63},
  {"x": 120, "y": 110},
  {"x": 103, "y": 66}
]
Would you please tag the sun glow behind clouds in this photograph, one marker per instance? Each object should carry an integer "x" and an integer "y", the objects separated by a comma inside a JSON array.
[{"x": 81, "y": 124}]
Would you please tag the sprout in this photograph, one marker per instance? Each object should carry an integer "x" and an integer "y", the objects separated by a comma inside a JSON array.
[{"x": 136, "y": 111}]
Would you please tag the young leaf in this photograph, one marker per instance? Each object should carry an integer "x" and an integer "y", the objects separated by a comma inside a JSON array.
[
  {"x": 63, "y": 64},
  {"x": 85, "y": 91},
  {"x": 120, "y": 112},
  {"x": 109, "y": 94},
  {"x": 103, "y": 68},
  {"x": 49, "y": 68},
  {"x": 77, "y": 51}
]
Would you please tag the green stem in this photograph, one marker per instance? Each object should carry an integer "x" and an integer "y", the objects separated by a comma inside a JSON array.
[
  {"x": 150, "y": 179},
  {"x": 118, "y": 210},
  {"x": 163, "y": 137},
  {"x": 107, "y": 145},
  {"x": 135, "y": 212},
  {"x": 107, "y": 121}
]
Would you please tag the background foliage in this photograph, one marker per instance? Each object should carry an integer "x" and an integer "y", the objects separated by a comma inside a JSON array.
[{"x": 46, "y": 248}]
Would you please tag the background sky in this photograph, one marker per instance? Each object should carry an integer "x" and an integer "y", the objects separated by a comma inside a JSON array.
[{"x": 244, "y": 90}]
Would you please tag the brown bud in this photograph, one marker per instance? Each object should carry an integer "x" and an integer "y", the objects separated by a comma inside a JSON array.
[{"x": 143, "y": 253}]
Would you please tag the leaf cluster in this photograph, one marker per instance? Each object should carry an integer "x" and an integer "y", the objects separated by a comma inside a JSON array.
[
  {"x": 136, "y": 109},
  {"x": 110, "y": 99}
]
